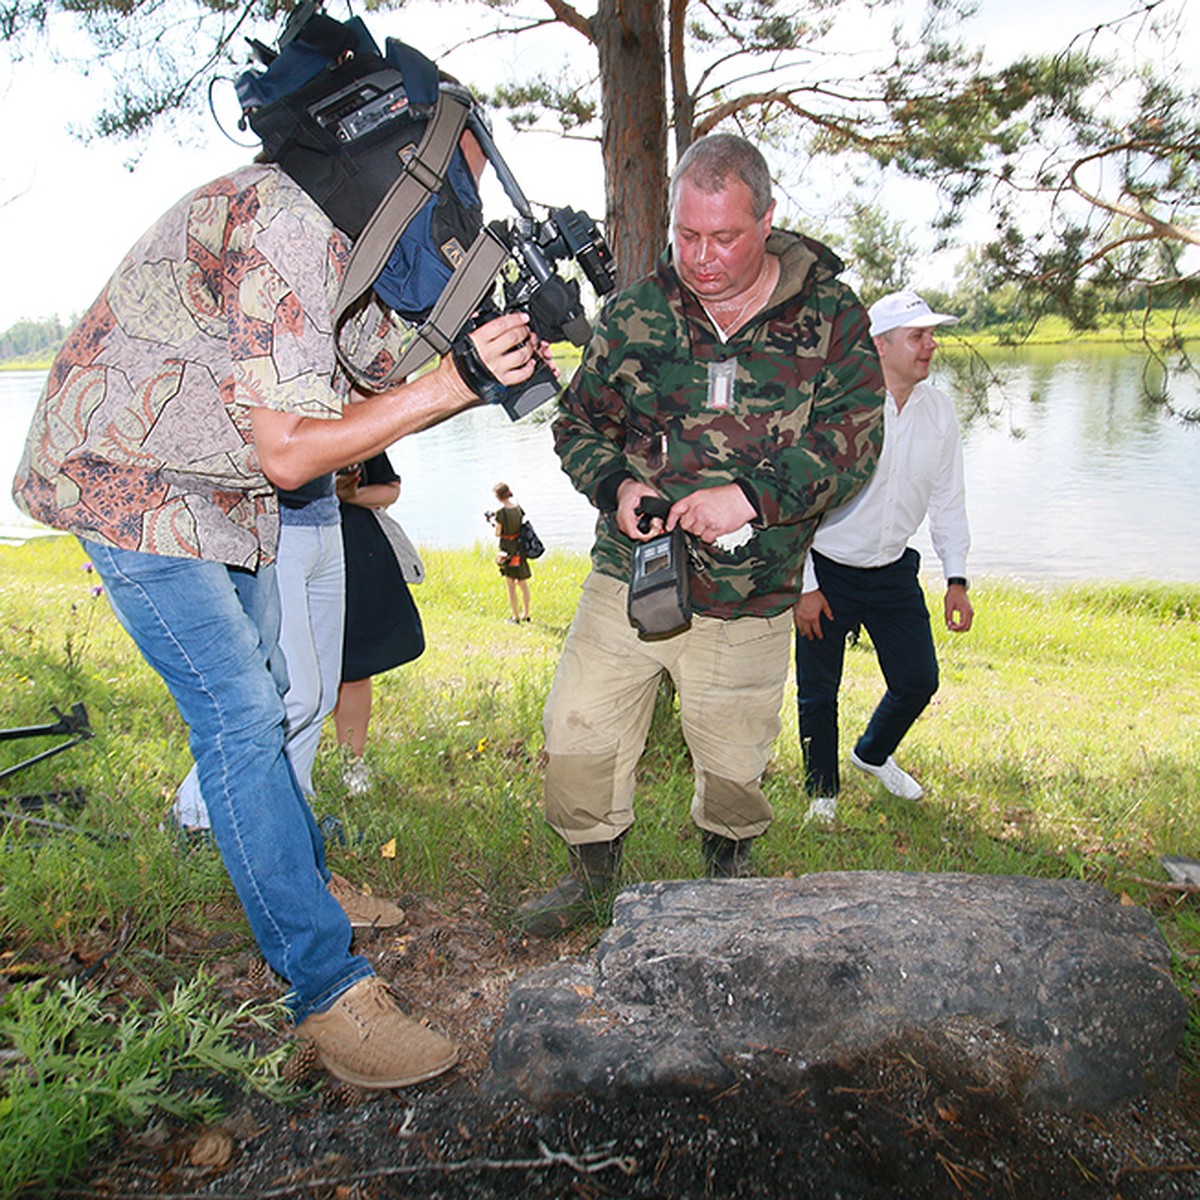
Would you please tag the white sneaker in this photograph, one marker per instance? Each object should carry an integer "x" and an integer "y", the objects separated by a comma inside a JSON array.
[
  {"x": 356, "y": 777},
  {"x": 897, "y": 781},
  {"x": 823, "y": 810}
]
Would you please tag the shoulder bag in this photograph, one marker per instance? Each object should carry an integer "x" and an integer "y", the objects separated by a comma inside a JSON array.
[{"x": 411, "y": 566}]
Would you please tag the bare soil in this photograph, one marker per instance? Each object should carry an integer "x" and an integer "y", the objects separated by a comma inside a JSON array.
[{"x": 901, "y": 1122}]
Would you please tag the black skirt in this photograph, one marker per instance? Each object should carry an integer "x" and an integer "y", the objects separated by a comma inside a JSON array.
[{"x": 383, "y": 626}]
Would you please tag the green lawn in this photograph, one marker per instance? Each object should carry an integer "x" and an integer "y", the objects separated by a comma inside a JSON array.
[{"x": 1065, "y": 741}]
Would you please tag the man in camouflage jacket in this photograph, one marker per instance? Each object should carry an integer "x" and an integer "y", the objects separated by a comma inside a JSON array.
[{"x": 737, "y": 382}]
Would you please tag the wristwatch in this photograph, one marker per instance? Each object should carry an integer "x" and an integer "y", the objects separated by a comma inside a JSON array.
[{"x": 959, "y": 581}]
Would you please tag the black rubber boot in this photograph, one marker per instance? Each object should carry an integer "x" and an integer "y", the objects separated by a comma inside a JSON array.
[
  {"x": 725, "y": 858},
  {"x": 579, "y": 897}
]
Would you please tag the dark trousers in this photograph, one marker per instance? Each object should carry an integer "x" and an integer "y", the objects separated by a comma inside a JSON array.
[{"x": 888, "y": 603}]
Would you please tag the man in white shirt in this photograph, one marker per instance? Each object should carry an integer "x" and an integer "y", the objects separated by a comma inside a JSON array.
[{"x": 862, "y": 572}]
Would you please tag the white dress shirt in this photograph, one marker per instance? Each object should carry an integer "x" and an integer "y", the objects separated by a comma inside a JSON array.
[{"x": 920, "y": 471}]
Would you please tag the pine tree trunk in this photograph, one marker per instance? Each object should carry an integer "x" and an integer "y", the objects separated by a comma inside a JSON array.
[{"x": 630, "y": 40}]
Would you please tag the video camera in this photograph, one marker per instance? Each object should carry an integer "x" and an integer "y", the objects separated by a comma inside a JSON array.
[
  {"x": 532, "y": 285},
  {"x": 338, "y": 114}
]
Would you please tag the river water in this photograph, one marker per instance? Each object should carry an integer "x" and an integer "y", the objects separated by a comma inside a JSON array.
[{"x": 1071, "y": 475}]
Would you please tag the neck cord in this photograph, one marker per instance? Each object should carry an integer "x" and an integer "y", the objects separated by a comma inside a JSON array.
[{"x": 726, "y": 330}]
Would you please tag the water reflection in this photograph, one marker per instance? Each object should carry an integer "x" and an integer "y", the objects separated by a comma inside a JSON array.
[
  {"x": 1076, "y": 474},
  {"x": 1071, "y": 473}
]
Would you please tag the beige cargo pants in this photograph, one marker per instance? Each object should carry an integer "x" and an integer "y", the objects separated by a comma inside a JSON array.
[{"x": 729, "y": 677}]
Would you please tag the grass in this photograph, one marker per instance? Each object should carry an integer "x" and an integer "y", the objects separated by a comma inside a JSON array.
[
  {"x": 1065, "y": 741},
  {"x": 85, "y": 1070},
  {"x": 1175, "y": 326},
  {"x": 1065, "y": 731}
]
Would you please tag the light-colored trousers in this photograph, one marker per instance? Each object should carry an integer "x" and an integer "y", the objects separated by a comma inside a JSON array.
[
  {"x": 729, "y": 677},
  {"x": 310, "y": 574}
]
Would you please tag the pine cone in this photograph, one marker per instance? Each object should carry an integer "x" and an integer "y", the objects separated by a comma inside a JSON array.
[
  {"x": 301, "y": 1063},
  {"x": 344, "y": 1095}
]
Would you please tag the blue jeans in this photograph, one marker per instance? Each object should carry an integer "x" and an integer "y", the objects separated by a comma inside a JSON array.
[
  {"x": 889, "y": 604},
  {"x": 210, "y": 632}
]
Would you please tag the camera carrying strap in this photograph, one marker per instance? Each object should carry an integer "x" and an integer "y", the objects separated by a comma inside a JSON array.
[{"x": 422, "y": 177}]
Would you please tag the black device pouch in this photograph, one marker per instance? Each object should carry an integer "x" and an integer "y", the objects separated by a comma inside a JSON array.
[{"x": 660, "y": 601}]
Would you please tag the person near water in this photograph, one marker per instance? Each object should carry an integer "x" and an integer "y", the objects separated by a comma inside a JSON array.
[
  {"x": 514, "y": 565},
  {"x": 862, "y": 573}
]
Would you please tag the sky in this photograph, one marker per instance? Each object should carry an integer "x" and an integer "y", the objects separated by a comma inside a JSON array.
[{"x": 69, "y": 210}]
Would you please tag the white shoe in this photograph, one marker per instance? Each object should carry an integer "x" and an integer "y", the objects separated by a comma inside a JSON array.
[
  {"x": 897, "y": 781},
  {"x": 356, "y": 777},
  {"x": 823, "y": 810}
]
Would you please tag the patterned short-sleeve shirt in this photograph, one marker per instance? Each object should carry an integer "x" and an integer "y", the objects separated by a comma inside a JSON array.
[{"x": 142, "y": 437}]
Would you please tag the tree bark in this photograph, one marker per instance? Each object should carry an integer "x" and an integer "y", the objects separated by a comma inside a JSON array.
[
  {"x": 682, "y": 100},
  {"x": 629, "y": 39}
]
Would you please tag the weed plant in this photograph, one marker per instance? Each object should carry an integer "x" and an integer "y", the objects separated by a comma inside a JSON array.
[
  {"x": 1064, "y": 742},
  {"x": 80, "y": 1070}
]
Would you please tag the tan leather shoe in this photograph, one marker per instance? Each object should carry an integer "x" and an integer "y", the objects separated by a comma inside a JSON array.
[
  {"x": 365, "y": 912},
  {"x": 366, "y": 1040}
]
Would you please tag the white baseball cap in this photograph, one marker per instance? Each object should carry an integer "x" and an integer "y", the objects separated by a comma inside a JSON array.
[{"x": 904, "y": 310}]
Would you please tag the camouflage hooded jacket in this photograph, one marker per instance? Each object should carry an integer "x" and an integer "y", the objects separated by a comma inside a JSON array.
[{"x": 800, "y": 431}]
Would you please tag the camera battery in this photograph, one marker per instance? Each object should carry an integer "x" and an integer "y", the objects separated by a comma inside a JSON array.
[{"x": 366, "y": 104}]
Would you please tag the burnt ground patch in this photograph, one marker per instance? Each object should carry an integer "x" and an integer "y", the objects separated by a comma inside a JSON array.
[{"x": 908, "y": 1120}]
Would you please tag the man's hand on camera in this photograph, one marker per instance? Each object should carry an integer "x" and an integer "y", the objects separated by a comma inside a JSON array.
[
  {"x": 507, "y": 348},
  {"x": 711, "y": 512},
  {"x": 497, "y": 357},
  {"x": 629, "y": 496}
]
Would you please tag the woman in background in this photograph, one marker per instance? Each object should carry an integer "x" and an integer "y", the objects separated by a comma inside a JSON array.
[
  {"x": 311, "y": 589},
  {"x": 382, "y": 627},
  {"x": 514, "y": 566}
]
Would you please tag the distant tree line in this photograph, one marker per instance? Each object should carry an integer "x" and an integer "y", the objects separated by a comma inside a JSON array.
[
  {"x": 28, "y": 338},
  {"x": 881, "y": 253}
]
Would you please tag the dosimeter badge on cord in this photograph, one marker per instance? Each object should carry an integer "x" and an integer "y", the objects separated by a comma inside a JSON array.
[
  {"x": 660, "y": 602},
  {"x": 374, "y": 140}
]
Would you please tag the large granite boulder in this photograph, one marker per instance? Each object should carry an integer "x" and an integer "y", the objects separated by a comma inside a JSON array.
[{"x": 1052, "y": 990}]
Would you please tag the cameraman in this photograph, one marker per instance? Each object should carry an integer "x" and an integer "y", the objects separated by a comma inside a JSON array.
[
  {"x": 203, "y": 377},
  {"x": 739, "y": 383}
]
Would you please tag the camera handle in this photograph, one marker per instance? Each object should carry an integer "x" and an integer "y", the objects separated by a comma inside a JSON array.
[
  {"x": 650, "y": 507},
  {"x": 483, "y": 135}
]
